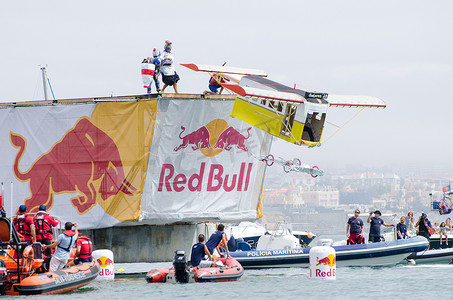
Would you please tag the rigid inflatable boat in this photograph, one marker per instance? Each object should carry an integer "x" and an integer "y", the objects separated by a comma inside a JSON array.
[
  {"x": 19, "y": 265},
  {"x": 230, "y": 271}
]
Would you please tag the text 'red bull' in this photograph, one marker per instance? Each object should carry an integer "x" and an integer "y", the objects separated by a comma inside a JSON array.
[{"x": 216, "y": 179}]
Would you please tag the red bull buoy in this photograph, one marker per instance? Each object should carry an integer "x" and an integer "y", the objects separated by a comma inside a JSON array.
[
  {"x": 105, "y": 259},
  {"x": 323, "y": 262}
]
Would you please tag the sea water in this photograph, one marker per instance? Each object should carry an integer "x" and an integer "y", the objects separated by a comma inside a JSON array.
[{"x": 398, "y": 282}]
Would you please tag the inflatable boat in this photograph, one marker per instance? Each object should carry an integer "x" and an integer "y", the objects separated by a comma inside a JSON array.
[
  {"x": 360, "y": 255},
  {"x": 19, "y": 265},
  {"x": 181, "y": 273}
]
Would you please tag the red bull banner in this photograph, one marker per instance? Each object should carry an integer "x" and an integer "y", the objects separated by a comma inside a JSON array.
[
  {"x": 86, "y": 163},
  {"x": 203, "y": 165}
]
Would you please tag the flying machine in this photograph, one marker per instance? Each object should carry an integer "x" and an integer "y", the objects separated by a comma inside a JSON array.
[
  {"x": 294, "y": 165},
  {"x": 291, "y": 114}
]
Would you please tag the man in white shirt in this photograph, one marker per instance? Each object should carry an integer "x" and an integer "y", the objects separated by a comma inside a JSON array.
[{"x": 169, "y": 75}]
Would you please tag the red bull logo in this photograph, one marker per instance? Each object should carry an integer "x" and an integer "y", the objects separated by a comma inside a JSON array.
[
  {"x": 329, "y": 260},
  {"x": 216, "y": 178},
  {"x": 85, "y": 161},
  {"x": 104, "y": 261},
  {"x": 213, "y": 138}
]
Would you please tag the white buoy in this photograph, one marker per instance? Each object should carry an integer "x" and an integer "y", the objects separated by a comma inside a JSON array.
[
  {"x": 323, "y": 262},
  {"x": 105, "y": 259}
]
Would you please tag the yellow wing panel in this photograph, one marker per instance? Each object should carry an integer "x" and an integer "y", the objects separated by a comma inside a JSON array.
[{"x": 266, "y": 119}]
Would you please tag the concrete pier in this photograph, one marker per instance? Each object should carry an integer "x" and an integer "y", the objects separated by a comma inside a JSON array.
[{"x": 148, "y": 243}]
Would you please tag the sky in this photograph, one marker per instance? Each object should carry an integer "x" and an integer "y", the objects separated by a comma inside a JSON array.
[{"x": 399, "y": 51}]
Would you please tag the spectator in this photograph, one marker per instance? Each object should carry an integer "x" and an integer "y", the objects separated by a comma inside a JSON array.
[
  {"x": 443, "y": 232},
  {"x": 410, "y": 223},
  {"x": 448, "y": 224},
  {"x": 401, "y": 229},
  {"x": 423, "y": 225},
  {"x": 354, "y": 229},
  {"x": 375, "y": 226}
]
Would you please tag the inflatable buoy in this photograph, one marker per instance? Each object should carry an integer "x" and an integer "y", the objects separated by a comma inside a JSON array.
[
  {"x": 323, "y": 262},
  {"x": 105, "y": 259}
]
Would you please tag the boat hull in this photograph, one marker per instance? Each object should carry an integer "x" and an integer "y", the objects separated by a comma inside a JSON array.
[
  {"x": 231, "y": 271},
  {"x": 432, "y": 256},
  {"x": 59, "y": 281},
  {"x": 375, "y": 254}
]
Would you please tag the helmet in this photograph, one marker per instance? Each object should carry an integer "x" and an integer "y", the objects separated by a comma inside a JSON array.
[
  {"x": 156, "y": 62},
  {"x": 42, "y": 207},
  {"x": 22, "y": 208}
]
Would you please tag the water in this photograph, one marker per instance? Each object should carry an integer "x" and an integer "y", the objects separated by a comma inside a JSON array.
[{"x": 401, "y": 281}]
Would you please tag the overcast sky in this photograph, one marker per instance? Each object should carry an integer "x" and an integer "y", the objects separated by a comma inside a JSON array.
[{"x": 399, "y": 51}]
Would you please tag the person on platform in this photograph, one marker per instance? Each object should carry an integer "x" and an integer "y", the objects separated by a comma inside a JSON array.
[
  {"x": 216, "y": 238},
  {"x": 354, "y": 229},
  {"x": 423, "y": 225},
  {"x": 169, "y": 75},
  {"x": 84, "y": 250},
  {"x": 44, "y": 224},
  {"x": 401, "y": 229},
  {"x": 199, "y": 251},
  {"x": 215, "y": 84},
  {"x": 375, "y": 226},
  {"x": 24, "y": 225},
  {"x": 64, "y": 243}
]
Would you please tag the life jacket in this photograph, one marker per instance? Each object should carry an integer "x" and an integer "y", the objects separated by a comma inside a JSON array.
[
  {"x": 70, "y": 234},
  {"x": 41, "y": 225},
  {"x": 22, "y": 226},
  {"x": 86, "y": 247}
]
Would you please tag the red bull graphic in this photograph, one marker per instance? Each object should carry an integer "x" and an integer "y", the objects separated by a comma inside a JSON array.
[
  {"x": 199, "y": 139},
  {"x": 104, "y": 261},
  {"x": 329, "y": 260},
  {"x": 85, "y": 161},
  {"x": 216, "y": 179},
  {"x": 216, "y": 136},
  {"x": 231, "y": 137}
]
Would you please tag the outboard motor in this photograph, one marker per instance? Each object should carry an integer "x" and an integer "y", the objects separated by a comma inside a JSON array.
[
  {"x": 3, "y": 277},
  {"x": 180, "y": 265}
]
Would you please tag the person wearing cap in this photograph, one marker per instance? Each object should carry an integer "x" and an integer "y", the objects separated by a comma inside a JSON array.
[
  {"x": 24, "y": 225},
  {"x": 354, "y": 229},
  {"x": 375, "y": 226},
  {"x": 169, "y": 75},
  {"x": 84, "y": 250},
  {"x": 423, "y": 225},
  {"x": 64, "y": 243},
  {"x": 43, "y": 225}
]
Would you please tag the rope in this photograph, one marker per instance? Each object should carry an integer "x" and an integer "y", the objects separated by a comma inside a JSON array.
[{"x": 340, "y": 127}]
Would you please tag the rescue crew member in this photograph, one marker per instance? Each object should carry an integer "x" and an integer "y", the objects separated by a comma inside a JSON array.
[
  {"x": 199, "y": 251},
  {"x": 24, "y": 225},
  {"x": 64, "y": 243},
  {"x": 43, "y": 225},
  {"x": 215, "y": 240},
  {"x": 84, "y": 250}
]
